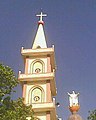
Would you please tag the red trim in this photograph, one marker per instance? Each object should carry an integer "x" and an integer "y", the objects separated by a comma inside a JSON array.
[{"x": 40, "y": 22}]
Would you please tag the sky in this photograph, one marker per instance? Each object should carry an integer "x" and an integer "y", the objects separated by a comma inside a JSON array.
[{"x": 71, "y": 26}]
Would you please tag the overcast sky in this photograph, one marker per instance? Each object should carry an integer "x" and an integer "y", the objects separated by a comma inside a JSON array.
[{"x": 71, "y": 26}]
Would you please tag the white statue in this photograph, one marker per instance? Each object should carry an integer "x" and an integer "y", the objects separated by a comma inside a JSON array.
[{"x": 73, "y": 98}]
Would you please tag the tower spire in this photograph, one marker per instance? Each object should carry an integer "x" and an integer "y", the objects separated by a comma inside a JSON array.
[{"x": 40, "y": 39}]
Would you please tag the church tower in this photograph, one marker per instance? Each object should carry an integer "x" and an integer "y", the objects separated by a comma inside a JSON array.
[{"x": 38, "y": 80}]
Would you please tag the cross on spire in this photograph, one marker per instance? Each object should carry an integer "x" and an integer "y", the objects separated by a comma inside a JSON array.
[{"x": 41, "y": 16}]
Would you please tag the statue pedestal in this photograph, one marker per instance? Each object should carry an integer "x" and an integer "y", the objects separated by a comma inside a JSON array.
[{"x": 74, "y": 108}]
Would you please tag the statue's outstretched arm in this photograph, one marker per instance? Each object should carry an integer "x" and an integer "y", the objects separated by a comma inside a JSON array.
[{"x": 69, "y": 94}]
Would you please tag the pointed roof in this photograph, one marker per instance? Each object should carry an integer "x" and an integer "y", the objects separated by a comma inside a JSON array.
[{"x": 40, "y": 40}]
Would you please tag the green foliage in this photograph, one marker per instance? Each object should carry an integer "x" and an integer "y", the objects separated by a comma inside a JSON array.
[
  {"x": 11, "y": 109},
  {"x": 92, "y": 115},
  {"x": 15, "y": 110},
  {"x": 7, "y": 81}
]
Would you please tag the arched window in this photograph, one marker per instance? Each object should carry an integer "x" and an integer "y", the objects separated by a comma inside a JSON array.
[
  {"x": 37, "y": 66},
  {"x": 36, "y": 95}
]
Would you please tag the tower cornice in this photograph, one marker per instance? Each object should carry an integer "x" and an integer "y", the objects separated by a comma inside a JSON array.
[{"x": 40, "y": 52}]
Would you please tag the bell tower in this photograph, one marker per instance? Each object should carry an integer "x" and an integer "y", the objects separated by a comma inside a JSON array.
[{"x": 38, "y": 79}]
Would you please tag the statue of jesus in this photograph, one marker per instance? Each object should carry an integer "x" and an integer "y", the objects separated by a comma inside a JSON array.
[{"x": 73, "y": 98}]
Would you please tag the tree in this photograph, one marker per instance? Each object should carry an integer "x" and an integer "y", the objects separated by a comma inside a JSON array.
[
  {"x": 11, "y": 109},
  {"x": 92, "y": 115}
]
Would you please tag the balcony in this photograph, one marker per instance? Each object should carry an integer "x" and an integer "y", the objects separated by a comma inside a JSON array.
[
  {"x": 35, "y": 52},
  {"x": 43, "y": 77},
  {"x": 41, "y": 107}
]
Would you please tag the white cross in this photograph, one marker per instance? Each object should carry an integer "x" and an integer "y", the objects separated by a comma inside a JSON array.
[{"x": 41, "y": 16}]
